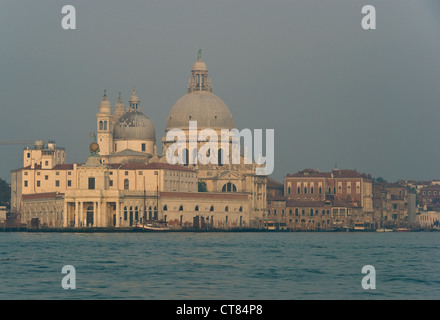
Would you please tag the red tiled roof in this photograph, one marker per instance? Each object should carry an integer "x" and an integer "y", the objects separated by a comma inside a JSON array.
[
  {"x": 271, "y": 183},
  {"x": 205, "y": 195},
  {"x": 48, "y": 195},
  {"x": 150, "y": 166},
  {"x": 311, "y": 173}
]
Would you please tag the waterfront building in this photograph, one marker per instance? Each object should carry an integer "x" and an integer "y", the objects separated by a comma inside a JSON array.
[
  {"x": 394, "y": 205},
  {"x": 314, "y": 200},
  {"x": 429, "y": 197},
  {"x": 125, "y": 181}
]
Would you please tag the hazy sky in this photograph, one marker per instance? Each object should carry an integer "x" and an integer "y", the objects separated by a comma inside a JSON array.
[{"x": 333, "y": 92}]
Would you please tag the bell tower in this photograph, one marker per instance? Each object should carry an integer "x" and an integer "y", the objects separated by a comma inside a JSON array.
[{"x": 105, "y": 127}]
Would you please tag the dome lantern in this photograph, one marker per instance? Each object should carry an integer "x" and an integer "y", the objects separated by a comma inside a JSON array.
[
  {"x": 134, "y": 101},
  {"x": 199, "y": 80}
]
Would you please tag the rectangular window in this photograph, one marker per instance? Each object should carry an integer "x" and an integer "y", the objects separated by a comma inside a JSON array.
[
  {"x": 46, "y": 163},
  {"x": 38, "y": 183},
  {"x": 143, "y": 146},
  {"x": 69, "y": 183},
  {"x": 57, "y": 183},
  {"x": 91, "y": 183},
  {"x": 46, "y": 177},
  {"x": 25, "y": 183},
  {"x": 126, "y": 173},
  {"x": 28, "y": 154},
  {"x": 110, "y": 183},
  {"x": 69, "y": 173},
  {"x": 38, "y": 173},
  {"x": 141, "y": 173}
]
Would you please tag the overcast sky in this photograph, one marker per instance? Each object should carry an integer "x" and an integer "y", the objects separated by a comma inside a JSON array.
[{"x": 333, "y": 92}]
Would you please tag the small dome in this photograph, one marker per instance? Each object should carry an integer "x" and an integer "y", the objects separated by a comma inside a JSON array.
[
  {"x": 199, "y": 65},
  {"x": 134, "y": 97},
  {"x": 204, "y": 107},
  {"x": 104, "y": 105},
  {"x": 134, "y": 125}
]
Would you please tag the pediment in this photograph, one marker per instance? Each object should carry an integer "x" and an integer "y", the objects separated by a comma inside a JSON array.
[{"x": 227, "y": 175}]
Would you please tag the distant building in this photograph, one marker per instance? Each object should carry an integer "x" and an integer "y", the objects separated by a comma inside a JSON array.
[
  {"x": 428, "y": 197},
  {"x": 394, "y": 206},
  {"x": 3, "y": 213},
  {"x": 315, "y": 200},
  {"x": 429, "y": 220}
]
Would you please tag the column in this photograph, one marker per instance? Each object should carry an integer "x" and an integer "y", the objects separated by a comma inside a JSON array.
[
  {"x": 65, "y": 214},
  {"x": 95, "y": 216},
  {"x": 76, "y": 214},
  {"x": 81, "y": 214},
  {"x": 118, "y": 214},
  {"x": 101, "y": 215}
]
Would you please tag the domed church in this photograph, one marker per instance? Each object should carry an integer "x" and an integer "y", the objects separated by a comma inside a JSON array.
[
  {"x": 124, "y": 182},
  {"x": 127, "y": 136},
  {"x": 211, "y": 112}
]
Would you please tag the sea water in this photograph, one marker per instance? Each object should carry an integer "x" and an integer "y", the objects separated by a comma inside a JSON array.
[{"x": 220, "y": 265}]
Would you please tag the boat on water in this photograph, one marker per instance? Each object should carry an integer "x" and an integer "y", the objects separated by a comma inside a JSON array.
[
  {"x": 402, "y": 230},
  {"x": 384, "y": 230},
  {"x": 152, "y": 227}
]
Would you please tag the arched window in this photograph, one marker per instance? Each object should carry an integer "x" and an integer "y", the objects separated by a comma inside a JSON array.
[
  {"x": 320, "y": 190},
  {"x": 305, "y": 190},
  {"x": 126, "y": 184},
  {"x": 212, "y": 208},
  {"x": 185, "y": 157},
  {"x": 311, "y": 190},
  {"x": 298, "y": 190},
  {"x": 229, "y": 187},
  {"x": 181, "y": 208},
  {"x": 196, "y": 208},
  {"x": 220, "y": 157},
  {"x": 101, "y": 125},
  {"x": 311, "y": 212},
  {"x": 105, "y": 125},
  {"x": 296, "y": 212},
  {"x": 226, "y": 209},
  {"x": 241, "y": 209},
  {"x": 194, "y": 157},
  {"x": 288, "y": 190},
  {"x": 165, "y": 208}
]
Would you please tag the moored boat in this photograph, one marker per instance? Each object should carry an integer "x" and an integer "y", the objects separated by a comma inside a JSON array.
[{"x": 384, "y": 230}]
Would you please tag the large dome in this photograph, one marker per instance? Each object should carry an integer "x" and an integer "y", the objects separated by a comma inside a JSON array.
[
  {"x": 204, "y": 107},
  {"x": 134, "y": 125}
]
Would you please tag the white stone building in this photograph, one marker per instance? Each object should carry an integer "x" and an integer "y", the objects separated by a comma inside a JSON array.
[{"x": 127, "y": 182}]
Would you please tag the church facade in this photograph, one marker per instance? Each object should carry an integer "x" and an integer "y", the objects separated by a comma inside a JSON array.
[{"x": 125, "y": 182}]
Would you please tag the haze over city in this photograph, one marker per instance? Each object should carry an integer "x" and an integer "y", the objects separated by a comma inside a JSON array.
[{"x": 334, "y": 93}]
